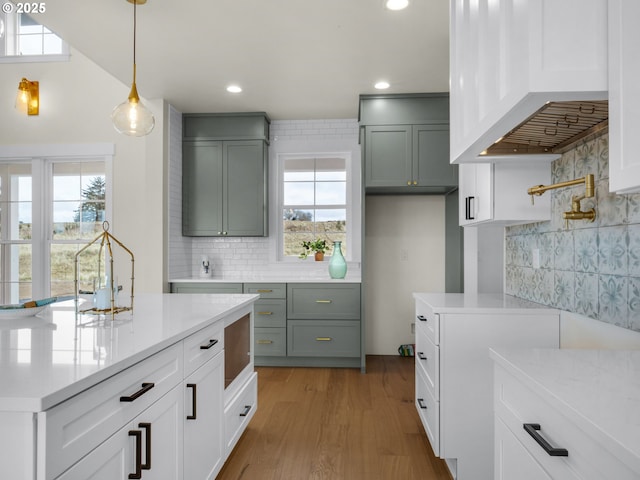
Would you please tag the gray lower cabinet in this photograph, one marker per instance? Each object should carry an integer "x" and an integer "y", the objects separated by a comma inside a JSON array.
[{"x": 300, "y": 324}]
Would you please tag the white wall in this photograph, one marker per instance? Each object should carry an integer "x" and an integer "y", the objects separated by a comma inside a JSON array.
[
  {"x": 76, "y": 100},
  {"x": 404, "y": 253}
]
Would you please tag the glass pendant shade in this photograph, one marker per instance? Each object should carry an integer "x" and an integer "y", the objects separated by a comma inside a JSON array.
[{"x": 132, "y": 117}]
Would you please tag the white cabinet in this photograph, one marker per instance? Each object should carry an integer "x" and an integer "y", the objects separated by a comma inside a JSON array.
[
  {"x": 454, "y": 374},
  {"x": 624, "y": 96},
  {"x": 509, "y": 57},
  {"x": 497, "y": 192}
]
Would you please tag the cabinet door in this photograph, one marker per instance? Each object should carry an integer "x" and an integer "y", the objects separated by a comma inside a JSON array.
[
  {"x": 431, "y": 165},
  {"x": 202, "y": 188},
  {"x": 512, "y": 460},
  {"x": 388, "y": 158},
  {"x": 624, "y": 96},
  {"x": 206, "y": 287},
  {"x": 204, "y": 414},
  {"x": 245, "y": 196},
  {"x": 476, "y": 193}
]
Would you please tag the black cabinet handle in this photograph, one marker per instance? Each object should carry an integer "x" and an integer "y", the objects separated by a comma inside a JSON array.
[
  {"x": 422, "y": 318},
  {"x": 193, "y": 387},
  {"x": 137, "y": 434},
  {"x": 469, "y": 208},
  {"x": 147, "y": 450},
  {"x": 245, "y": 412},
  {"x": 421, "y": 403},
  {"x": 421, "y": 356},
  {"x": 211, "y": 343},
  {"x": 145, "y": 388},
  {"x": 532, "y": 429}
]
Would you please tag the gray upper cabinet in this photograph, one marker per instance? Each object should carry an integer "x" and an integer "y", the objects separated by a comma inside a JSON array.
[
  {"x": 406, "y": 143},
  {"x": 224, "y": 182}
]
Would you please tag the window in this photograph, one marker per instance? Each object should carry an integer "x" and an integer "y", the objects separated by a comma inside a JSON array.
[
  {"x": 25, "y": 39},
  {"x": 314, "y": 201},
  {"x": 49, "y": 209}
]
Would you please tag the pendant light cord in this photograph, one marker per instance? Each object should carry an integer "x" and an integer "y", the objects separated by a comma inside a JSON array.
[{"x": 135, "y": 3}]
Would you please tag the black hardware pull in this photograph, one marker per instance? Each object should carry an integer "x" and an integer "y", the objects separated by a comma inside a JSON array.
[
  {"x": 211, "y": 343},
  {"x": 138, "y": 441},
  {"x": 422, "y": 318},
  {"x": 532, "y": 429},
  {"x": 421, "y": 403},
  {"x": 193, "y": 401},
  {"x": 245, "y": 412},
  {"x": 466, "y": 208},
  {"x": 422, "y": 356},
  {"x": 470, "y": 210},
  {"x": 145, "y": 388},
  {"x": 147, "y": 451}
]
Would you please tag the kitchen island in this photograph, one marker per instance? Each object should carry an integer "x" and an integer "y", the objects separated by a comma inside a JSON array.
[{"x": 81, "y": 395}]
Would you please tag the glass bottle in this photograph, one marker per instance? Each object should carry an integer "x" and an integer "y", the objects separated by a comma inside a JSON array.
[{"x": 337, "y": 264}]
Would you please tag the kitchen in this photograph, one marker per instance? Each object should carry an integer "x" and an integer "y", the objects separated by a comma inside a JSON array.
[{"x": 177, "y": 257}]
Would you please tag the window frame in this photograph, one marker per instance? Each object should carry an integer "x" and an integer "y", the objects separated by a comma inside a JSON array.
[
  {"x": 10, "y": 40},
  {"x": 349, "y": 206}
]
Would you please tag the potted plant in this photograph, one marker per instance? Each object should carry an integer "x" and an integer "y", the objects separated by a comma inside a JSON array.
[{"x": 319, "y": 246}]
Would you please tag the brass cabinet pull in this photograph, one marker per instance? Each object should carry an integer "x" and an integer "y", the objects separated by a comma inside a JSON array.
[
  {"x": 323, "y": 301},
  {"x": 409, "y": 182},
  {"x": 323, "y": 339},
  {"x": 264, "y": 313},
  {"x": 264, "y": 291},
  {"x": 264, "y": 342},
  {"x": 415, "y": 182}
]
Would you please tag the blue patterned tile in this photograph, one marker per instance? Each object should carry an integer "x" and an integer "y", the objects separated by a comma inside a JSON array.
[
  {"x": 510, "y": 247},
  {"x": 542, "y": 281},
  {"x": 634, "y": 250},
  {"x": 564, "y": 290},
  {"x": 612, "y": 297},
  {"x": 546, "y": 247},
  {"x": 634, "y": 304},
  {"x": 612, "y": 250},
  {"x": 612, "y": 208},
  {"x": 586, "y": 293},
  {"x": 586, "y": 159},
  {"x": 603, "y": 156},
  {"x": 560, "y": 203},
  {"x": 563, "y": 250},
  {"x": 633, "y": 208},
  {"x": 586, "y": 250},
  {"x": 562, "y": 169}
]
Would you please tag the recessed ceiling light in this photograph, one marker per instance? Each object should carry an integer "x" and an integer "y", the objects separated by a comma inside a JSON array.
[
  {"x": 397, "y": 4},
  {"x": 382, "y": 85},
  {"x": 234, "y": 89}
]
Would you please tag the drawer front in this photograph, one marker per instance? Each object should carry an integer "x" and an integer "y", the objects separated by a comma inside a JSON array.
[
  {"x": 321, "y": 300},
  {"x": 271, "y": 342},
  {"x": 267, "y": 290},
  {"x": 240, "y": 411},
  {"x": 323, "y": 338},
  {"x": 206, "y": 287},
  {"x": 270, "y": 313},
  {"x": 202, "y": 346},
  {"x": 428, "y": 360},
  {"x": 428, "y": 321},
  {"x": 588, "y": 457},
  {"x": 429, "y": 410},
  {"x": 72, "y": 429}
]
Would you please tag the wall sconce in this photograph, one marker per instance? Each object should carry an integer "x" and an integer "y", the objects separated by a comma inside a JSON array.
[{"x": 28, "y": 98}]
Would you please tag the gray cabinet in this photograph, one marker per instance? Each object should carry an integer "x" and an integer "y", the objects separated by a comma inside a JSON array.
[
  {"x": 270, "y": 319},
  {"x": 224, "y": 182},
  {"x": 206, "y": 287}
]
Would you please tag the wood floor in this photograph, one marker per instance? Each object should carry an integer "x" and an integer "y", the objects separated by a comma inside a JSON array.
[{"x": 329, "y": 423}]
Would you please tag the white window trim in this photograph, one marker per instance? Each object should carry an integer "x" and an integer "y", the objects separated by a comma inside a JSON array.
[
  {"x": 46, "y": 155},
  {"x": 281, "y": 157},
  {"x": 10, "y": 35}
]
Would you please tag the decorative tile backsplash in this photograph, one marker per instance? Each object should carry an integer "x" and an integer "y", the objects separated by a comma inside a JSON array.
[{"x": 588, "y": 268}]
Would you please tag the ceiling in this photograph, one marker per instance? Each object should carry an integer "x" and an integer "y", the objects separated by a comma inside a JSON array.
[{"x": 295, "y": 59}]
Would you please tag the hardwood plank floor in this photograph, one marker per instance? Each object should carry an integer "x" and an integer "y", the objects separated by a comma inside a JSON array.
[{"x": 330, "y": 423}]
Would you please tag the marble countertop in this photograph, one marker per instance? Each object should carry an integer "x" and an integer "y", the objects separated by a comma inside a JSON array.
[
  {"x": 598, "y": 389},
  {"x": 479, "y": 303},
  {"x": 50, "y": 357}
]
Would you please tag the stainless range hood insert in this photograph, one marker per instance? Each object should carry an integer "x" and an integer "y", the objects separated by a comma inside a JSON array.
[{"x": 552, "y": 128}]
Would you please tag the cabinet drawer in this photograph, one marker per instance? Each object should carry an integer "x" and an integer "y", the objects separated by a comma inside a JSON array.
[
  {"x": 323, "y": 300},
  {"x": 202, "y": 346},
  {"x": 428, "y": 360},
  {"x": 428, "y": 321},
  {"x": 270, "y": 313},
  {"x": 429, "y": 410},
  {"x": 270, "y": 342},
  {"x": 323, "y": 338},
  {"x": 267, "y": 290},
  {"x": 206, "y": 287},
  {"x": 588, "y": 457},
  {"x": 240, "y": 411},
  {"x": 72, "y": 429}
]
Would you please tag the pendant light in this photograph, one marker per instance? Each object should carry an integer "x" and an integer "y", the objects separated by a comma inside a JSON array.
[{"x": 132, "y": 117}]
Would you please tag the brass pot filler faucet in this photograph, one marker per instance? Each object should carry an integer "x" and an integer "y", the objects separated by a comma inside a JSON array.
[{"x": 575, "y": 213}]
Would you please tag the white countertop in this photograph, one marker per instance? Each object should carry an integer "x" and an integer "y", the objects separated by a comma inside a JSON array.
[
  {"x": 270, "y": 278},
  {"x": 479, "y": 303},
  {"x": 599, "y": 389},
  {"x": 48, "y": 358}
]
